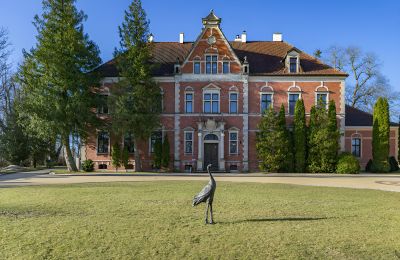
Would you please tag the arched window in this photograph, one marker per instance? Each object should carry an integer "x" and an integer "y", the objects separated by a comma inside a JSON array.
[
  {"x": 233, "y": 100},
  {"x": 196, "y": 65},
  {"x": 189, "y": 99},
  {"x": 211, "y": 137}
]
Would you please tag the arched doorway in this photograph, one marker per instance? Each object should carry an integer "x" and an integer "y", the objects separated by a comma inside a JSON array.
[{"x": 211, "y": 142}]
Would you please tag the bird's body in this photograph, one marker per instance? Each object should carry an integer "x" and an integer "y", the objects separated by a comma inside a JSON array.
[{"x": 207, "y": 195}]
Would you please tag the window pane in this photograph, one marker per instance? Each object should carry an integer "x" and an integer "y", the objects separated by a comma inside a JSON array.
[
  {"x": 207, "y": 107},
  {"x": 233, "y": 107},
  {"x": 189, "y": 136},
  {"x": 189, "y": 96},
  {"x": 225, "y": 67},
  {"x": 215, "y": 96},
  {"x": 188, "y": 147},
  {"x": 322, "y": 99},
  {"x": 293, "y": 65},
  {"x": 233, "y": 136},
  {"x": 214, "y": 68},
  {"x": 197, "y": 68},
  {"x": 208, "y": 58},
  {"x": 292, "y": 102},
  {"x": 234, "y": 96},
  {"x": 189, "y": 107},
  {"x": 215, "y": 107},
  {"x": 207, "y": 96},
  {"x": 102, "y": 142},
  {"x": 208, "y": 67},
  {"x": 214, "y": 58},
  {"x": 266, "y": 101}
]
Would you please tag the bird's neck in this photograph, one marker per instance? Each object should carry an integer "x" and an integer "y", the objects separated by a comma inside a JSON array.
[{"x": 211, "y": 176}]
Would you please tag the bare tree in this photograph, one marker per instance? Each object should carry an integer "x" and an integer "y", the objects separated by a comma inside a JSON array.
[{"x": 7, "y": 86}]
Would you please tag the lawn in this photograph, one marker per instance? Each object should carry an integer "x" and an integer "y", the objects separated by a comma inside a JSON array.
[{"x": 155, "y": 220}]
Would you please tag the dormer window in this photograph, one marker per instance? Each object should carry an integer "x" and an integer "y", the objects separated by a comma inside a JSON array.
[
  {"x": 293, "y": 64},
  {"x": 211, "y": 64}
]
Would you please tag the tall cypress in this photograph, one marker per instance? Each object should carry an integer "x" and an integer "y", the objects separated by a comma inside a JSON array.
[
  {"x": 56, "y": 76},
  {"x": 165, "y": 153},
  {"x": 380, "y": 136},
  {"x": 136, "y": 101},
  {"x": 300, "y": 136},
  {"x": 333, "y": 138}
]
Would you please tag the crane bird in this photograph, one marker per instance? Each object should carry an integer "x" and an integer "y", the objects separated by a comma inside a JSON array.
[{"x": 207, "y": 195}]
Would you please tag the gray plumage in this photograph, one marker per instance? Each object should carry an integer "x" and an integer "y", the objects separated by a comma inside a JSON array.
[{"x": 207, "y": 195}]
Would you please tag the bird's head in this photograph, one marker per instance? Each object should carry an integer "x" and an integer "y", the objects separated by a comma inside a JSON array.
[{"x": 209, "y": 166}]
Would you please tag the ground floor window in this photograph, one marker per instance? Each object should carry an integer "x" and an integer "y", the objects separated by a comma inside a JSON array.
[
  {"x": 356, "y": 147},
  {"x": 103, "y": 141},
  {"x": 154, "y": 137},
  {"x": 233, "y": 142},
  {"x": 293, "y": 97},
  {"x": 129, "y": 143},
  {"x": 188, "y": 142}
]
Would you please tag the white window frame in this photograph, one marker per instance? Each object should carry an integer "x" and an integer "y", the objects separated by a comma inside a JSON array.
[
  {"x": 288, "y": 101},
  {"x": 237, "y": 141},
  {"x": 192, "y": 93},
  {"x": 316, "y": 98},
  {"x": 229, "y": 66},
  {"x": 185, "y": 140},
  {"x": 97, "y": 143},
  {"x": 205, "y": 67},
  {"x": 211, "y": 92},
  {"x": 237, "y": 102},
  {"x": 196, "y": 60},
  {"x": 266, "y": 93}
]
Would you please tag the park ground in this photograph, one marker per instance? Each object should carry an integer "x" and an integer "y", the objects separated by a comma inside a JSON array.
[{"x": 154, "y": 219}]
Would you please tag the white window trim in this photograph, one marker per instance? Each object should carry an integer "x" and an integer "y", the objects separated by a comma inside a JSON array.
[
  {"x": 185, "y": 140},
  {"x": 237, "y": 102},
  {"x": 272, "y": 99},
  {"x": 194, "y": 62},
  {"x": 288, "y": 100},
  {"x": 205, "y": 64},
  {"x": 356, "y": 136},
  {"x": 97, "y": 143},
  {"x": 212, "y": 91},
  {"x": 229, "y": 66},
  {"x": 237, "y": 142},
  {"x": 189, "y": 92},
  {"x": 297, "y": 63},
  {"x": 321, "y": 92}
]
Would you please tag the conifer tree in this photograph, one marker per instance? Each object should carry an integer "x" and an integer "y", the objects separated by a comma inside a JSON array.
[
  {"x": 116, "y": 156},
  {"x": 333, "y": 138},
  {"x": 136, "y": 101},
  {"x": 286, "y": 141},
  {"x": 300, "y": 136},
  {"x": 380, "y": 136},
  {"x": 165, "y": 153},
  {"x": 125, "y": 158},
  {"x": 158, "y": 153},
  {"x": 56, "y": 76}
]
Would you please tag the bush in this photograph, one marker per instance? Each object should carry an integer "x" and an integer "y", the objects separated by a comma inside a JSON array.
[
  {"x": 394, "y": 165},
  {"x": 368, "y": 166},
  {"x": 348, "y": 164},
  {"x": 88, "y": 165}
]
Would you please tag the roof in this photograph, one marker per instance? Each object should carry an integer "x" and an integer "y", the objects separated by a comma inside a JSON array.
[
  {"x": 357, "y": 117},
  {"x": 264, "y": 57}
]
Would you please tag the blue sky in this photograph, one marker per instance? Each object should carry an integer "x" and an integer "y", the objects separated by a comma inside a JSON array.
[{"x": 372, "y": 25}]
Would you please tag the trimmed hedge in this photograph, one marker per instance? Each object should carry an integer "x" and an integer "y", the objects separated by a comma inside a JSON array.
[
  {"x": 348, "y": 164},
  {"x": 88, "y": 165}
]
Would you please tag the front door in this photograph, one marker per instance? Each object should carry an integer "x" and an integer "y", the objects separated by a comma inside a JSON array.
[{"x": 211, "y": 156}]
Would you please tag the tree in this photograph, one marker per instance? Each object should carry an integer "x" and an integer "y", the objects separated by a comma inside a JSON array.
[
  {"x": 366, "y": 82},
  {"x": 272, "y": 142},
  {"x": 136, "y": 101},
  {"x": 116, "y": 156},
  {"x": 380, "y": 136},
  {"x": 125, "y": 158},
  {"x": 286, "y": 141},
  {"x": 300, "y": 136},
  {"x": 57, "y": 78},
  {"x": 158, "y": 153},
  {"x": 165, "y": 153},
  {"x": 317, "y": 53}
]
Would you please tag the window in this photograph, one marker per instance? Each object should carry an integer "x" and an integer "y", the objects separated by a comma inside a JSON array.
[
  {"x": 322, "y": 100},
  {"x": 293, "y": 64},
  {"x": 189, "y": 103},
  {"x": 356, "y": 147},
  {"x": 211, "y": 64},
  {"x": 292, "y": 102},
  {"x": 102, "y": 107},
  {"x": 154, "y": 137},
  {"x": 196, "y": 68},
  {"x": 225, "y": 67},
  {"x": 188, "y": 142},
  {"x": 102, "y": 166},
  {"x": 233, "y": 103},
  {"x": 211, "y": 103},
  {"x": 129, "y": 143},
  {"x": 103, "y": 140},
  {"x": 211, "y": 137},
  {"x": 233, "y": 142},
  {"x": 266, "y": 101}
]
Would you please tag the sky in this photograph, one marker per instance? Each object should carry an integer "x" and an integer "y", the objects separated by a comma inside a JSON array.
[{"x": 374, "y": 26}]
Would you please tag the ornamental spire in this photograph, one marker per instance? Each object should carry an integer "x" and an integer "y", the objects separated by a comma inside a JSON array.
[{"x": 211, "y": 19}]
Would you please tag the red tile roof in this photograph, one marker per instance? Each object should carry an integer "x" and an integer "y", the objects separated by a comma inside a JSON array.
[
  {"x": 264, "y": 57},
  {"x": 357, "y": 117}
]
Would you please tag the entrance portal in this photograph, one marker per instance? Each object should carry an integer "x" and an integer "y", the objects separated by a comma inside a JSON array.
[{"x": 211, "y": 155}]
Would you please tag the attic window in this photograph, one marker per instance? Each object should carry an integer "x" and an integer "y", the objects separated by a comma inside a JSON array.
[{"x": 293, "y": 64}]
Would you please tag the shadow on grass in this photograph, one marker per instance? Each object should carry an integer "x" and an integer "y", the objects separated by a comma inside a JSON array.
[{"x": 274, "y": 219}]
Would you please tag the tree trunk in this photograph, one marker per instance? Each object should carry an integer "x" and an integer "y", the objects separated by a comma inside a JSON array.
[
  {"x": 138, "y": 165},
  {"x": 69, "y": 160}
]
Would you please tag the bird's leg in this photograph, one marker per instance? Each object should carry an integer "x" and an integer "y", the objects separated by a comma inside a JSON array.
[
  {"x": 211, "y": 214},
  {"x": 206, "y": 220}
]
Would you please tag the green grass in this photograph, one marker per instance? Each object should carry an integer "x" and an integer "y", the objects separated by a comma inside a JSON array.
[{"x": 155, "y": 220}]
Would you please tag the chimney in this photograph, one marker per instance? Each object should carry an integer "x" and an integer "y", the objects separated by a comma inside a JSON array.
[
  {"x": 277, "y": 37},
  {"x": 244, "y": 36},
  {"x": 151, "y": 37},
  {"x": 181, "y": 37},
  {"x": 237, "y": 39}
]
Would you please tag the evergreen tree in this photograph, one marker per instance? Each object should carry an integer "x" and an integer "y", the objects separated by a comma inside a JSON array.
[
  {"x": 165, "y": 153},
  {"x": 56, "y": 76},
  {"x": 287, "y": 143},
  {"x": 300, "y": 136},
  {"x": 158, "y": 153},
  {"x": 333, "y": 138},
  {"x": 125, "y": 158},
  {"x": 116, "y": 156},
  {"x": 380, "y": 136},
  {"x": 136, "y": 101}
]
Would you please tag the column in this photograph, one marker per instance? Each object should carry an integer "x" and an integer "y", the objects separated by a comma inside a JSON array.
[
  {"x": 221, "y": 152},
  {"x": 177, "y": 125},
  {"x": 199, "y": 151},
  {"x": 245, "y": 124}
]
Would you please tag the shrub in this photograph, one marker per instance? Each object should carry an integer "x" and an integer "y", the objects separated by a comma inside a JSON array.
[
  {"x": 394, "y": 165},
  {"x": 348, "y": 164},
  {"x": 368, "y": 166},
  {"x": 88, "y": 165}
]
